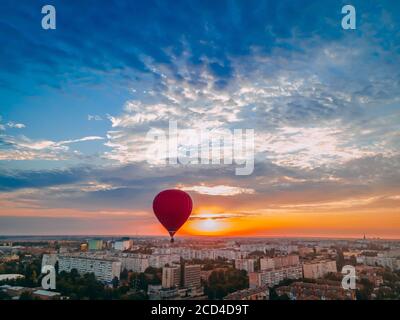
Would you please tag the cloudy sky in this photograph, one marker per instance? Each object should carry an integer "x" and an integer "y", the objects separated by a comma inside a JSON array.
[{"x": 77, "y": 102}]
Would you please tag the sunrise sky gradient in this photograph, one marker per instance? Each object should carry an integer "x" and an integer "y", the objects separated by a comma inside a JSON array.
[{"x": 76, "y": 104}]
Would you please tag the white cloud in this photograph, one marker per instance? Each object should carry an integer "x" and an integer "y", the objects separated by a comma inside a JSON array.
[
  {"x": 94, "y": 117},
  {"x": 301, "y": 108},
  {"x": 310, "y": 147},
  {"x": 12, "y": 124},
  {"x": 218, "y": 190},
  {"x": 24, "y": 148}
]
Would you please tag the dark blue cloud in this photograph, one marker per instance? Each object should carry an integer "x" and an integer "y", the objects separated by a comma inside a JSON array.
[
  {"x": 93, "y": 37},
  {"x": 10, "y": 181}
]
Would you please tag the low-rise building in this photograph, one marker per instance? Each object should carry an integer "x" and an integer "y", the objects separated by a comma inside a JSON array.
[
  {"x": 15, "y": 291},
  {"x": 259, "y": 293},
  {"x": 316, "y": 291},
  {"x": 11, "y": 276},
  {"x": 46, "y": 295}
]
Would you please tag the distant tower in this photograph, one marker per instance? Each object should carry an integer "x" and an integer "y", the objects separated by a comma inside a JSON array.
[{"x": 364, "y": 237}]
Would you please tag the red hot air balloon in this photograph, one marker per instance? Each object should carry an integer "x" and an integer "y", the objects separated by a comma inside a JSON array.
[{"x": 172, "y": 208}]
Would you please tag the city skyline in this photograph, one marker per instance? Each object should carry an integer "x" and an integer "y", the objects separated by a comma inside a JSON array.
[
  {"x": 77, "y": 102},
  {"x": 199, "y": 269}
]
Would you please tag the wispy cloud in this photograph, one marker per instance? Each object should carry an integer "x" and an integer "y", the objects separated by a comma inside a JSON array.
[
  {"x": 24, "y": 148},
  {"x": 219, "y": 190}
]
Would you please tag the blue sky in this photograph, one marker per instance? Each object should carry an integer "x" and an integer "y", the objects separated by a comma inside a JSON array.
[{"x": 76, "y": 103}]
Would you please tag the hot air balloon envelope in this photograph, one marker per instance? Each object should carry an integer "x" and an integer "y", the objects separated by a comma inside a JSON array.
[{"x": 172, "y": 208}]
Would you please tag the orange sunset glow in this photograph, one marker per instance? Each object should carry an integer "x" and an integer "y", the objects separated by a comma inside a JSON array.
[
  {"x": 287, "y": 128},
  {"x": 375, "y": 216}
]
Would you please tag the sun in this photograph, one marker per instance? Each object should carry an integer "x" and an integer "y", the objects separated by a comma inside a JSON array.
[{"x": 209, "y": 225}]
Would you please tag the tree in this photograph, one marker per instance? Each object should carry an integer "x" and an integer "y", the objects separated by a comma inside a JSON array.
[
  {"x": 115, "y": 282},
  {"x": 340, "y": 260},
  {"x": 124, "y": 274},
  {"x": 4, "y": 296},
  {"x": 365, "y": 290},
  {"x": 221, "y": 283},
  {"x": 26, "y": 295}
]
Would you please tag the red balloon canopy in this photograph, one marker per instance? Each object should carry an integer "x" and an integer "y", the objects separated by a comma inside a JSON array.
[{"x": 172, "y": 208}]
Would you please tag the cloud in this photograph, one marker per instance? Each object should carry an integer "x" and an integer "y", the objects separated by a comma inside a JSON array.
[
  {"x": 220, "y": 190},
  {"x": 24, "y": 148},
  {"x": 323, "y": 103},
  {"x": 306, "y": 106},
  {"x": 94, "y": 117},
  {"x": 12, "y": 124}
]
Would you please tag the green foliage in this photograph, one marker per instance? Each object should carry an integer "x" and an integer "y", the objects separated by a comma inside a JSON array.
[
  {"x": 4, "y": 296},
  {"x": 139, "y": 295},
  {"x": 141, "y": 281},
  {"x": 81, "y": 287},
  {"x": 210, "y": 264},
  {"x": 221, "y": 283},
  {"x": 124, "y": 274},
  {"x": 365, "y": 290},
  {"x": 30, "y": 270},
  {"x": 26, "y": 296}
]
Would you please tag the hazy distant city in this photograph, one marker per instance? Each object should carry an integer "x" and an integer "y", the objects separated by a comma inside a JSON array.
[{"x": 150, "y": 268}]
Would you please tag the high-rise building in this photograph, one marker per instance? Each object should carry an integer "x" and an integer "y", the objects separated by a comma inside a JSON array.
[
  {"x": 267, "y": 264},
  {"x": 274, "y": 276},
  {"x": 191, "y": 276},
  {"x": 95, "y": 244},
  {"x": 104, "y": 270},
  {"x": 392, "y": 263},
  {"x": 316, "y": 270},
  {"x": 160, "y": 260},
  {"x": 279, "y": 262},
  {"x": 137, "y": 263},
  {"x": 229, "y": 254},
  {"x": 252, "y": 247},
  {"x": 123, "y": 245},
  {"x": 245, "y": 264},
  {"x": 171, "y": 277},
  {"x": 49, "y": 259}
]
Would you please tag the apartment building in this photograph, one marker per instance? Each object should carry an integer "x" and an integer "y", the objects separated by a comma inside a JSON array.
[
  {"x": 245, "y": 264},
  {"x": 104, "y": 269},
  {"x": 318, "y": 269},
  {"x": 274, "y": 276}
]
